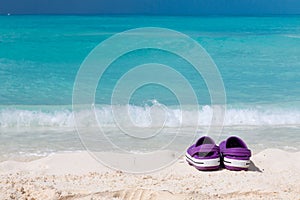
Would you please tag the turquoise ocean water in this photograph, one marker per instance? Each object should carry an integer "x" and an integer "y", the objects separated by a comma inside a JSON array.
[{"x": 258, "y": 58}]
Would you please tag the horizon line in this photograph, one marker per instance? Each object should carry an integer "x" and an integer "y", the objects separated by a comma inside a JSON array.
[{"x": 141, "y": 14}]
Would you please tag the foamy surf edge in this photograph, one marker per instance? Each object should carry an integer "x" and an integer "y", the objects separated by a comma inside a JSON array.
[{"x": 58, "y": 117}]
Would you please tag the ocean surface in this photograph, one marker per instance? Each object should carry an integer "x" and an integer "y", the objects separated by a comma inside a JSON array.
[{"x": 257, "y": 57}]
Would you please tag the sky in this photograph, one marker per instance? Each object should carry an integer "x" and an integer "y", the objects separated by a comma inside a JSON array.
[{"x": 151, "y": 7}]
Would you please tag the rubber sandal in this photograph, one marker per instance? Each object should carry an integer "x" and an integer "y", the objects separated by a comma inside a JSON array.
[
  {"x": 204, "y": 154},
  {"x": 235, "y": 154}
]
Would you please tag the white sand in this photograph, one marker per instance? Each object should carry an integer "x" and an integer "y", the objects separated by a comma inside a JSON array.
[{"x": 79, "y": 176}]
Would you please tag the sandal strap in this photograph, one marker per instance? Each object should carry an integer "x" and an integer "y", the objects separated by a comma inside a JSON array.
[
  {"x": 236, "y": 152},
  {"x": 203, "y": 149}
]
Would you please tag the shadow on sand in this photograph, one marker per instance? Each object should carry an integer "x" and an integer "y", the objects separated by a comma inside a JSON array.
[{"x": 254, "y": 168}]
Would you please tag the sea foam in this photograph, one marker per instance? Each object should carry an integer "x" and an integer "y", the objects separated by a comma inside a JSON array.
[{"x": 148, "y": 116}]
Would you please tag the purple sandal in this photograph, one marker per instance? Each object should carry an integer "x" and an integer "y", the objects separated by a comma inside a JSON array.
[
  {"x": 235, "y": 154},
  {"x": 204, "y": 154}
]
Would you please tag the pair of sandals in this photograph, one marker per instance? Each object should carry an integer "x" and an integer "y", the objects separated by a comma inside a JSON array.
[{"x": 232, "y": 153}]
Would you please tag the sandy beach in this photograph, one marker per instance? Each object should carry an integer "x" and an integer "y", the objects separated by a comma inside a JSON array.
[{"x": 273, "y": 174}]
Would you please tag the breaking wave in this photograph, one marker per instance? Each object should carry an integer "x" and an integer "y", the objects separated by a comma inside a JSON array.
[{"x": 145, "y": 116}]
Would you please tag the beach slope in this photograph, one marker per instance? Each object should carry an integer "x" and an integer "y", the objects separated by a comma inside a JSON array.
[{"x": 274, "y": 174}]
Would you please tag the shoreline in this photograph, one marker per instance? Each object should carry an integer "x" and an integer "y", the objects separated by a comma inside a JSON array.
[{"x": 274, "y": 174}]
